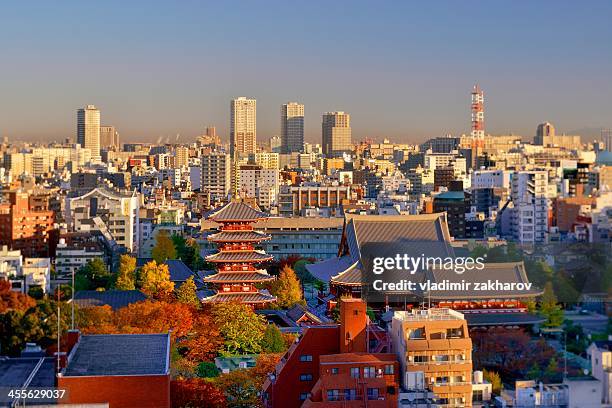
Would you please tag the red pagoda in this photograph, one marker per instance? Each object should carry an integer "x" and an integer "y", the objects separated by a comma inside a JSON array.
[{"x": 237, "y": 258}]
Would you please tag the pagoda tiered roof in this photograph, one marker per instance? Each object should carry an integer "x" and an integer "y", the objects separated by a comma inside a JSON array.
[
  {"x": 238, "y": 236},
  {"x": 238, "y": 277},
  {"x": 239, "y": 256},
  {"x": 242, "y": 297},
  {"x": 236, "y": 211}
]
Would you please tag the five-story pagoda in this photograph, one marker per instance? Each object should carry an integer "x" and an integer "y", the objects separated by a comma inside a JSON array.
[{"x": 237, "y": 258}]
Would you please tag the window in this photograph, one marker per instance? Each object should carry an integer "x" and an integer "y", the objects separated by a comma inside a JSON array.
[
  {"x": 304, "y": 396},
  {"x": 350, "y": 394},
  {"x": 333, "y": 395},
  {"x": 477, "y": 396},
  {"x": 305, "y": 357},
  {"x": 369, "y": 372},
  {"x": 354, "y": 372},
  {"x": 420, "y": 359},
  {"x": 335, "y": 370},
  {"x": 372, "y": 393},
  {"x": 389, "y": 369},
  {"x": 305, "y": 377}
]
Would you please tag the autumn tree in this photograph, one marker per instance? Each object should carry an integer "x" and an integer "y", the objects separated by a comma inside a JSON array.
[
  {"x": 194, "y": 393},
  {"x": 187, "y": 293},
  {"x": 549, "y": 308},
  {"x": 96, "y": 320},
  {"x": 241, "y": 389},
  {"x": 11, "y": 300},
  {"x": 241, "y": 328},
  {"x": 495, "y": 380},
  {"x": 155, "y": 281},
  {"x": 164, "y": 248},
  {"x": 287, "y": 288},
  {"x": 126, "y": 275},
  {"x": 273, "y": 340},
  {"x": 205, "y": 340},
  {"x": 155, "y": 317}
]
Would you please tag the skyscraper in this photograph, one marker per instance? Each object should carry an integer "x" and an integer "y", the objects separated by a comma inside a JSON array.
[
  {"x": 292, "y": 127},
  {"x": 109, "y": 137},
  {"x": 243, "y": 127},
  {"x": 336, "y": 133},
  {"x": 88, "y": 130},
  {"x": 606, "y": 137}
]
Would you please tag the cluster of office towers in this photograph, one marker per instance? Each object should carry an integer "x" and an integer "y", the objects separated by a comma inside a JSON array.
[{"x": 335, "y": 129}]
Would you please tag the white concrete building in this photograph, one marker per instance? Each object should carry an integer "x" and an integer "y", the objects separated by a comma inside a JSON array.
[
  {"x": 113, "y": 213},
  {"x": 490, "y": 179},
  {"x": 600, "y": 355},
  {"x": 243, "y": 126},
  {"x": 529, "y": 217},
  {"x": 216, "y": 171}
]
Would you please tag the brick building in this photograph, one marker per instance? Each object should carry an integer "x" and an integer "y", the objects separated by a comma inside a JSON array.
[
  {"x": 122, "y": 370},
  {"x": 25, "y": 228}
]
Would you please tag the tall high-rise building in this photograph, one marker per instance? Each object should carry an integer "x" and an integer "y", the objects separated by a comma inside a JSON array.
[
  {"x": 478, "y": 131},
  {"x": 216, "y": 175},
  {"x": 243, "y": 127},
  {"x": 529, "y": 216},
  {"x": 211, "y": 131},
  {"x": 109, "y": 137},
  {"x": 336, "y": 133},
  {"x": 88, "y": 130},
  {"x": 292, "y": 127},
  {"x": 606, "y": 137},
  {"x": 547, "y": 136}
]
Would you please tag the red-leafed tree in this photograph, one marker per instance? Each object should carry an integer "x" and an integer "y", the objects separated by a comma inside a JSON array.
[
  {"x": 195, "y": 392},
  {"x": 11, "y": 300},
  {"x": 155, "y": 317},
  {"x": 205, "y": 341}
]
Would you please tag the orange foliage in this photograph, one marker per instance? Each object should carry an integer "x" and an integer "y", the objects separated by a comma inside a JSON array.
[
  {"x": 10, "y": 300},
  {"x": 195, "y": 392}
]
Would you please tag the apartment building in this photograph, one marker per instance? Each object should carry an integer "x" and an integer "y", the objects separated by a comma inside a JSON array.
[
  {"x": 434, "y": 351},
  {"x": 529, "y": 216},
  {"x": 216, "y": 175},
  {"x": 293, "y": 199}
]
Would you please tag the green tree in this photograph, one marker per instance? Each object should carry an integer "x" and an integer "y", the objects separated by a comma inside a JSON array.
[
  {"x": 126, "y": 275},
  {"x": 552, "y": 370},
  {"x": 495, "y": 380},
  {"x": 155, "y": 281},
  {"x": 242, "y": 329},
  {"x": 93, "y": 275},
  {"x": 534, "y": 372},
  {"x": 273, "y": 340},
  {"x": 187, "y": 293},
  {"x": 164, "y": 248},
  {"x": 287, "y": 289},
  {"x": 207, "y": 369},
  {"x": 549, "y": 308}
]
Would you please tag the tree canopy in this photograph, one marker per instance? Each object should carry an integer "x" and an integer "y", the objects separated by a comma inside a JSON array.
[
  {"x": 287, "y": 288},
  {"x": 155, "y": 281},
  {"x": 126, "y": 275},
  {"x": 164, "y": 247},
  {"x": 241, "y": 328}
]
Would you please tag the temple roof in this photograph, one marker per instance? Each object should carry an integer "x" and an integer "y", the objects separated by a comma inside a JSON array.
[
  {"x": 237, "y": 277},
  {"x": 238, "y": 236},
  {"x": 425, "y": 234},
  {"x": 242, "y": 297},
  {"x": 239, "y": 256},
  {"x": 236, "y": 211}
]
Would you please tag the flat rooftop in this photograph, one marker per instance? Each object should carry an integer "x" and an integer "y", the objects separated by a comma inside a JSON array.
[
  {"x": 436, "y": 314},
  {"x": 119, "y": 354}
]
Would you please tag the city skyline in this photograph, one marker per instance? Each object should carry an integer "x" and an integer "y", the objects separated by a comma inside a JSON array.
[{"x": 401, "y": 78}]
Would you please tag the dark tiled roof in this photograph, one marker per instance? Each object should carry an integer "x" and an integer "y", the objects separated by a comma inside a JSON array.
[
  {"x": 15, "y": 373},
  {"x": 298, "y": 311},
  {"x": 494, "y": 319},
  {"x": 116, "y": 299},
  {"x": 237, "y": 256},
  {"x": 229, "y": 277},
  {"x": 350, "y": 277},
  {"x": 179, "y": 272},
  {"x": 238, "y": 236},
  {"x": 327, "y": 269},
  {"x": 405, "y": 232},
  {"x": 244, "y": 297},
  {"x": 120, "y": 354},
  {"x": 505, "y": 272},
  {"x": 236, "y": 211}
]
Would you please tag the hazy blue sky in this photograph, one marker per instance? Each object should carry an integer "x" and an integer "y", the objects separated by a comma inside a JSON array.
[{"x": 403, "y": 70}]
